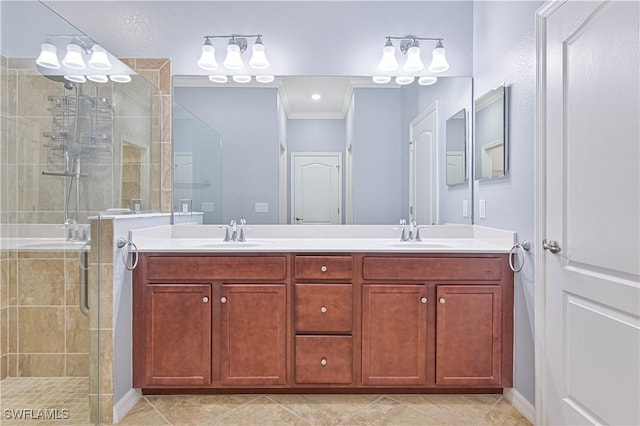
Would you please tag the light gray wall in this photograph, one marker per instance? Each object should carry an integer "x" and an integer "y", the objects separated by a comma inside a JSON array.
[
  {"x": 504, "y": 51},
  {"x": 247, "y": 121},
  {"x": 377, "y": 146}
]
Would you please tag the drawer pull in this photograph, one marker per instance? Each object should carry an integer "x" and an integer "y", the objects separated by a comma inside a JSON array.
[
  {"x": 323, "y": 268},
  {"x": 442, "y": 300},
  {"x": 205, "y": 299},
  {"x": 423, "y": 300},
  {"x": 323, "y": 310},
  {"x": 323, "y": 362},
  {"x": 223, "y": 300}
]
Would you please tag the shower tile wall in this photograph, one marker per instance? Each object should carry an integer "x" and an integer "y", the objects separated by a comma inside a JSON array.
[{"x": 4, "y": 196}]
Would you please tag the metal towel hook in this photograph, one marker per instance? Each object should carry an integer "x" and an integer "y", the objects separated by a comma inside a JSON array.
[
  {"x": 522, "y": 247},
  {"x": 122, "y": 243}
]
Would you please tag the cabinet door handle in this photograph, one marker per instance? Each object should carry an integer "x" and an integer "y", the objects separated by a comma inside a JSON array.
[
  {"x": 223, "y": 299},
  {"x": 205, "y": 299},
  {"x": 442, "y": 300},
  {"x": 423, "y": 300},
  {"x": 323, "y": 309},
  {"x": 323, "y": 268},
  {"x": 323, "y": 362}
]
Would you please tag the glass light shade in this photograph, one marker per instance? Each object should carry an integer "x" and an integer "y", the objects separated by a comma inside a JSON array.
[
  {"x": 98, "y": 78},
  {"x": 99, "y": 59},
  {"x": 76, "y": 78},
  {"x": 218, "y": 78},
  {"x": 120, "y": 78},
  {"x": 207, "y": 60},
  {"x": 427, "y": 80},
  {"x": 264, "y": 78},
  {"x": 241, "y": 78},
  {"x": 73, "y": 58},
  {"x": 414, "y": 63},
  {"x": 258, "y": 59},
  {"x": 381, "y": 79},
  {"x": 233, "y": 61},
  {"x": 439, "y": 60},
  {"x": 48, "y": 57},
  {"x": 404, "y": 79},
  {"x": 388, "y": 62}
]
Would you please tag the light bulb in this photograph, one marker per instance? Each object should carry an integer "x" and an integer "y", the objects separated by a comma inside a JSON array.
[
  {"x": 264, "y": 78},
  {"x": 258, "y": 58},
  {"x": 120, "y": 78},
  {"x": 241, "y": 78},
  {"x": 99, "y": 59},
  {"x": 76, "y": 78},
  {"x": 98, "y": 78},
  {"x": 73, "y": 58},
  {"x": 414, "y": 63},
  {"x": 427, "y": 80},
  {"x": 207, "y": 59},
  {"x": 233, "y": 61},
  {"x": 381, "y": 79},
  {"x": 388, "y": 62},
  {"x": 439, "y": 60},
  {"x": 48, "y": 57},
  {"x": 403, "y": 80},
  {"x": 218, "y": 78}
]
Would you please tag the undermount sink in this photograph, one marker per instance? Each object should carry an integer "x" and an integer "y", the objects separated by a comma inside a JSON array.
[
  {"x": 414, "y": 244},
  {"x": 216, "y": 244},
  {"x": 229, "y": 245}
]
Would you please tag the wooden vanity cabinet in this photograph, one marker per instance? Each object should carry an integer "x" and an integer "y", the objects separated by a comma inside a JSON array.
[{"x": 210, "y": 321}]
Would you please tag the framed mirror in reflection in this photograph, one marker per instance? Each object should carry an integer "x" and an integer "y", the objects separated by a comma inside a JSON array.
[
  {"x": 365, "y": 127},
  {"x": 491, "y": 134}
]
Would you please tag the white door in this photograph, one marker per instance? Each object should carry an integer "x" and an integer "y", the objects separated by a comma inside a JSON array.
[
  {"x": 588, "y": 192},
  {"x": 316, "y": 188},
  {"x": 423, "y": 191}
]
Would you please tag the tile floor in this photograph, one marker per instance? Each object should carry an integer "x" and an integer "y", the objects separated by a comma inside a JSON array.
[
  {"x": 71, "y": 394},
  {"x": 44, "y": 401},
  {"x": 324, "y": 410}
]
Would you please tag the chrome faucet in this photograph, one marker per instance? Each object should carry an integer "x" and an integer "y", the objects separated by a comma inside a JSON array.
[
  {"x": 403, "y": 225},
  {"x": 231, "y": 230},
  {"x": 234, "y": 230},
  {"x": 243, "y": 225},
  {"x": 410, "y": 232}
]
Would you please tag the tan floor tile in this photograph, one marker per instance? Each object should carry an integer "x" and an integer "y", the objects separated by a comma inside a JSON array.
[
  {"x": 451, "y": 409},
  {"x": 197, "y": 409},
  {"x": 387, "y": 411},
  {"x": 261, "y": 411},
  {"x": 143, "y": 414},
  {"x": 503, "y": 413},
  {"x": 325, "y": 409}
]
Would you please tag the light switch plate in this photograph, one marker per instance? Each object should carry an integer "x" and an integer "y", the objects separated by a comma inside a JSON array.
[
  {"x": 207, "y": 206},
  {"x": 482, "y": 209}
]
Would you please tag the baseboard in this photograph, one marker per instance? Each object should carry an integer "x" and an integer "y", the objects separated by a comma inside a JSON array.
[
  {"x": 521, "y": 404},
  {"x": 126, "y": 403}
]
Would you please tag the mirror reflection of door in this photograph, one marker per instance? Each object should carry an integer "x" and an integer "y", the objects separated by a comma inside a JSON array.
[
  {"x": 316, "y": 188},
  {"x": 423, "y": 188}
]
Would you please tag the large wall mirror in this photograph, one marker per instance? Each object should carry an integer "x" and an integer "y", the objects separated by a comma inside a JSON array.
[
  {"x": 275, "y": 139},
  {"x": 491, "y": 134}
]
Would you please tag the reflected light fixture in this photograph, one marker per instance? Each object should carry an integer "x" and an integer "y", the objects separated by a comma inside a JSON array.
[
  {"x": 236, "y": 46},
  {"x": 98, "y": 78},
  {"x": 120, "y": 78},
  {"x": 76, "y": 78},
  {"x": 427, "y": 80},
  {"x": 381, "y": 79},
  {"x": 264, "y": 78},
  {"x": 403, "y": 80},
  {"x": 241, "y": 78},
  {"x": 218, "y": 78},
  {"x": 73, "y": 58},
  {"x": 99, "y": 59},
  {"x": 48, "y": 57}
]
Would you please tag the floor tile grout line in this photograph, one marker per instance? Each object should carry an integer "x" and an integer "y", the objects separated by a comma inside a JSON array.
[
  {"x": 344, "y": 422},
  {"x": 481, "y": 417},
  {"x": 288, "y": 409},
  {"x": 257, "y": 396},
  {"x": 157, "y": 411}
]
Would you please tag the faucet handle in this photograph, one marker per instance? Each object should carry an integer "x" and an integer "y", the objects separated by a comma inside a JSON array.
[
  {"x": 226, "y": 233},
  {"x": 403, "y": 222}
]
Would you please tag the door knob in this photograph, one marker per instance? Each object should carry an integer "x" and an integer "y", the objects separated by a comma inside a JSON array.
[{"x": 551, "y": 245}]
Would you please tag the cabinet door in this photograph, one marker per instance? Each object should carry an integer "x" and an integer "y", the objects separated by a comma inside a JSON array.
[
  {"x": 253, "y": 334},
  {"x": 394, "y": 334},
  {"x": 178, "y": 334},
  {"x": 468, "y": 335}
]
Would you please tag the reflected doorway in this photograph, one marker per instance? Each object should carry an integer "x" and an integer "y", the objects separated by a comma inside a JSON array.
[
  {"x": 316, "y": 188},
  {"x": 423, "y": 168}
]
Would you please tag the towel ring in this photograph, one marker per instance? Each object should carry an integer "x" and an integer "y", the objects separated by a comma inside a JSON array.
[
  {"x": 123, "y": 243},
  {"x": 522, "y": 247}
]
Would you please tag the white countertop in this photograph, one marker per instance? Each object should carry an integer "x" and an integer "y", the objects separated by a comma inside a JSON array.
[{"x": 322, "y": 238}]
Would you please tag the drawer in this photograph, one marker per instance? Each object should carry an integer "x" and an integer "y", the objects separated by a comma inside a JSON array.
[
  {"x": 323, "y": 307},
  {"x": 432, "y": 268},
  {"x": 324, "y": 359},
  {"x": 217, "y": 267},
  {"x": 324, "y": 267}
]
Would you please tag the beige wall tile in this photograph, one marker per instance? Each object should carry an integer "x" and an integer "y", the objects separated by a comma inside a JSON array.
[
  {"x": 4, "y": 331},
  {"x": 72, "y": 280},
  {"x": 12, "y": 368},
  {"x": 41, "y": 365},
  {"x": 106, "y": 242},
  {"x": 151, "y": 75},
  {"x": 106, "y": 408},
  {"x": 150, "y": 63},
  {"x": 106, "y": 295},
  {"x": 4, "y": 367},
  {"x": 77, "y": 331},
  {"x": 13, "y": 330},
  {"x": 106, "y": 361},
  {"x": 130, "y": 62},
  {"x": 41, "y": 330},
  {"x": 41, "y": 282},
  {"x": 77, "y": 365},
  {"x": 33, "y": 90},
  {"x": 166, "y": 86}
]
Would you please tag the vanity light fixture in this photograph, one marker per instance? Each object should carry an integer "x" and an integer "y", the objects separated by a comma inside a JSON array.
[
  {"x": 403, "y": 80},
  {"x": 98, "y": 78},
  {"x": 120, "y": 78},
  {"x": 76, "y": 78},
  {"x": 265, "y": 78},
  {"x": 73, "y": 58},
  {"x": 48, "y": 57},
  {"x": 235, "y": 48},
  {"x": 99, "y": 59},
  {"x": 427, "y": 80},
  {"x": 410, "y": 46},
  {"x": 218, "y": 78},
  {"x": 241, "y": 78}
]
